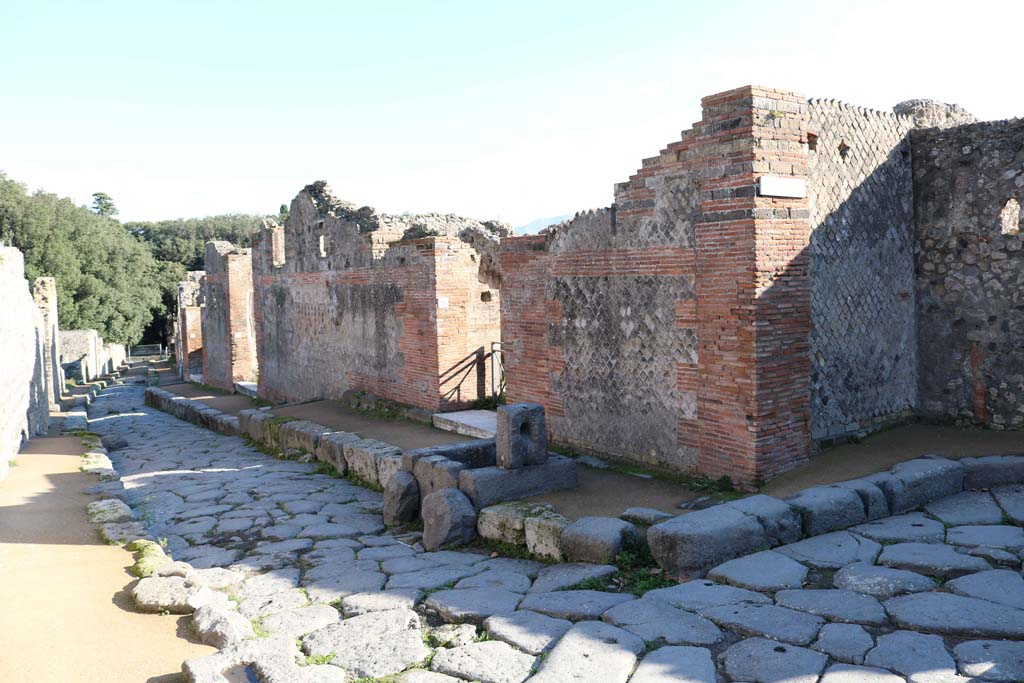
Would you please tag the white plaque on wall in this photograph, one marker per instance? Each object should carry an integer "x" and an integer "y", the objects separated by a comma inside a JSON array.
[{"x": 774, "y": 186}]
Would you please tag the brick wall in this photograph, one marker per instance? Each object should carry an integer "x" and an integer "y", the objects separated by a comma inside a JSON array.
[
  {"x": 863, "y": 333},
  {"x": 188, "y": 325},
  {"x": 404, "y": 307},
  {"x": 672, "y": 329},
  {"x": 968, "y": 187},
  {"x": 229, "y": 332}
]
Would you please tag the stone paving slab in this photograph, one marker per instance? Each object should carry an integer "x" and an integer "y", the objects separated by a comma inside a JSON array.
[{"x": 304, "y": 555}]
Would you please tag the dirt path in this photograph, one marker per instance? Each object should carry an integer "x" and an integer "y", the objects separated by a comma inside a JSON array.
[{"x": 65, "y": 613}]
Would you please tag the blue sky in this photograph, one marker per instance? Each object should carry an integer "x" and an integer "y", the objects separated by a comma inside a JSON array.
[{"x": 512, "y": 110}]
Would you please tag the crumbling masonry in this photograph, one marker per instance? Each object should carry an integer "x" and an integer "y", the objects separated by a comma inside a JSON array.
[
  {"x": 188, "y": 327},
  {"x": 228, "y": 329},
  {"x": 351, "y": 300},
  {"x": 789, "y": 272}
]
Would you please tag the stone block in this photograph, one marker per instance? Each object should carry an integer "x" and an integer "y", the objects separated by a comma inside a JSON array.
[
  {"x": 644, "y": 516},
  {"x": 449, "y": 518},
  {"x": 781, "y": 523},
  {"x": 992, "y": 470},
  {"x": 828, "y": 508},
  {"x": 302, "y": 435},
  {"x": 598, "y": 539},
  {"x": 924, "y": 480},
  {"x": 254, "y": 423},
  {"x": 362, "y": 458},
  {"x": 544, "y": 535},
  {"x": 436, "y": 472},
  {"x": 872, "y": 497},
  {"x": 506, "y": 522},
  {"x": 401, "y": 499},
  {"x": 490, "y": 485},
  {"x": 332, "y": 449},
  {"x": 472, "y": 454},
  {"x": 522, "y": 437},
  {"x": 691, "y": 544},
  {"x": 387, "y": 465}
]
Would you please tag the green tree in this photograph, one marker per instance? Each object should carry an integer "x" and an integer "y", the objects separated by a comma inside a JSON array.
[
  {"x": 107, "y": 279},
  {"x": 103, "y": 204}
]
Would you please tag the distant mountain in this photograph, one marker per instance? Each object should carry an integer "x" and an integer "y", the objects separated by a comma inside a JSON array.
[{"x": 539, "y": 224}]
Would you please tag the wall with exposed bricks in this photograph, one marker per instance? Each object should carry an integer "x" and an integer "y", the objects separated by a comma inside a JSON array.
[
  {"x": 229, "y": 331},
  {"x": 188, "y": 325},
  {"x": 403, "y": 307},
  {"x": 671, "y": 329}
]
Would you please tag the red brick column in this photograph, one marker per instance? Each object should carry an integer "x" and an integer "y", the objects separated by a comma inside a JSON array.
[{"x": 753, "y": 293}]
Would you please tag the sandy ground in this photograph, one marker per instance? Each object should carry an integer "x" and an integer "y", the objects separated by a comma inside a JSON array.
[{"x": 65, "y": 610}]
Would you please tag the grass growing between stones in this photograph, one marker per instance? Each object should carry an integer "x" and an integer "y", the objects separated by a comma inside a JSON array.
[
  {"x": 503, "y": 549},
  {"x": 638, "y": 573},
  {"x": 319, "y": 659},
  {"x": 211, "y": 389},
  {"x": 328, "y": 469},
  {"x": 359, "y": 481}
]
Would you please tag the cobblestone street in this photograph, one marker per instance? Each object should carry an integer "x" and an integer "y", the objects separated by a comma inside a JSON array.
[{"x": 292, "y": 575}]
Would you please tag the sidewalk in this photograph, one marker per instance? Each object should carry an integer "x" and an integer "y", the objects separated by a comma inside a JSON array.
[{"x": 66, "y": 614}]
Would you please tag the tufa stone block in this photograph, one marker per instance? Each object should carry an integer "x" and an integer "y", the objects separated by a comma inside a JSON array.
[
  {"x": 522, "y": 437},
  {"x": 598, "y": 539},
  {"x": 490, "y": 485}
]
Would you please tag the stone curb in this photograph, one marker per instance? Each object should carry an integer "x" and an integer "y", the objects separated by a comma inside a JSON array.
[{"x": 689, "y": 545}]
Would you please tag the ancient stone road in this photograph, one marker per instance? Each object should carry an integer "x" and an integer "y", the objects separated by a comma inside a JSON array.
[{"x": 282, "y": 555}]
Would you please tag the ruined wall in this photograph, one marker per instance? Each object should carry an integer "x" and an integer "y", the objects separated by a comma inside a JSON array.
[
  {"x": 671, "y": 329},
  {"x": 403, "y": 307},
  {"x": 44, "y": 293},
  {"x": 79, "y": 351},
  {"x": 188, "y": 326},
  {"x": 863, "y": 333},
  {"x": 968, "y": 189},
  {"x": 116, "y": 355},
  {"x": 229, "y": 332},
  {"x": 24, "y": 406}
]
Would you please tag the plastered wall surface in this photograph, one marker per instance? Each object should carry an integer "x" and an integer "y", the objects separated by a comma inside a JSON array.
[{"x": 24, "y": 403}]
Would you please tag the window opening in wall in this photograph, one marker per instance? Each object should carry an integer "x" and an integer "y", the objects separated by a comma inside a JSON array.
[
  {"x": 485, "y": 296},
  {"x": 1010, "y": 217},
  {"x": 812, "y": 142},
  {"x": 844, "y": 150},
  {"x": 323, "y": 246}
]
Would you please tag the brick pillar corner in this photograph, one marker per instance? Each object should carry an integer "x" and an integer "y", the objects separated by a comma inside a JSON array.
[{"x": 753, "y": 291}]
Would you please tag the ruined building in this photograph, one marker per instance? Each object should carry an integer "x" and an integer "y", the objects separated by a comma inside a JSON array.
[
  {"x": 789, "y": 272},
  {"x": 349, "y": 299},
  {"x": 229, "y": 333},
  {"x": 188, "y": 327}
]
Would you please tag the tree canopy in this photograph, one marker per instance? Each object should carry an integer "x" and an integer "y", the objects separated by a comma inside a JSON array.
[
  {"x": 184, "y": 240},
  {"x": 120, "y": 279},
  {"x": 103, "y": 204},
  {"x": 106, "y": 278}
]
